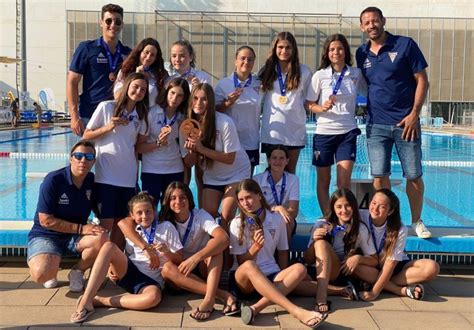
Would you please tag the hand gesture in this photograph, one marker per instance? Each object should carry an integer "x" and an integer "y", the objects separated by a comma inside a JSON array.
[{"x": 188, "y": 265}]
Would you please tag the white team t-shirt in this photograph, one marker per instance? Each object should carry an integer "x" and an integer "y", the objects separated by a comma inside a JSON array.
[
  {"x": 152, "y": 87},
  {"x": 291, "y": 193},
  {"x": 202, "y": 76},
  {"x": 202, "y": 227},
  {"x": 227, "y": 141},
  {"x": 245, "y": 112},
  {"x": 398, "y": 253},
  {"x": 364, "y": 242},
  {"x": 340, "y": 119},
  {"x": 165, "y": 233},
  {"x": 286, "y": 123},
  {"x": 274, "y": 231},
  {"x": 165, "y": 159},
  {"x": 116, "y": 163}
]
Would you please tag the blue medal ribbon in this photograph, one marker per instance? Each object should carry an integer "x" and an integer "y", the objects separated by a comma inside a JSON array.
[
  {"x": 251, "y": 221},
  {"x": 378, "y": 248},
  {"x": 113, "y": 59},
  {"x": 172, "y": 121},
  {"x": 339, "y": 81},
  {"x": 280, "y": 81},
  {"x": 337, "y": 229},
  {"x": 125, "y": 115},
  {"x": 188, "y": 228},
  {"x": 238, "y": 84},
  {"x": 151, "y": 236},
  {"x": 273, "y": 186}
]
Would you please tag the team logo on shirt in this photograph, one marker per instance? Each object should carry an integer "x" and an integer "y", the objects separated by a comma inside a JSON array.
[
  {"x": 88, "y": 194},
  {"x": 101, "y": 58},
  {"x": 63, "y": 200},
  {"x": 393, "y": 56},
  {"x": 316, "y": 154},
  {"x": 272, "y": 232},
  {"x": 367, "y": 64}
]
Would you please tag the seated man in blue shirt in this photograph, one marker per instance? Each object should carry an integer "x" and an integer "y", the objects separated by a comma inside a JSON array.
[
  {"x": 96, "y": 62},
  {"x": 60, "y": 226},
  {"x": 395, "y": 70}
]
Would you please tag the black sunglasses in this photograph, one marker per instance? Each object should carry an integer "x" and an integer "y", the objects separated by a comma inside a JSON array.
[
  {"x": 118, "y": 21},
  {"x": 79, "y": 155}
]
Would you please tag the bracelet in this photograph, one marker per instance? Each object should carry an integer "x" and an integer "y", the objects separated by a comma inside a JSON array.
[{"x": 158, "y": 143}]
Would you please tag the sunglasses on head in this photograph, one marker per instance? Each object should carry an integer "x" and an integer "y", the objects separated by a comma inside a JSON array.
[
  {"x": 79, "y": 155},
  {"x": 118, "y": 21}
]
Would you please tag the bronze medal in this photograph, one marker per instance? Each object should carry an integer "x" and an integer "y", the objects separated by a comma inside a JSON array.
[
  {"x": 112, "y": 76},
  {"x": 283, "y": 99},
  {"x": 166, "y": 129}
]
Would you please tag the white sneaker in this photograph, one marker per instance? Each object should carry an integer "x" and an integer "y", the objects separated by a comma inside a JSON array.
[
  {"x": 420, "y": 229},
  {"x": 52, "y": 283},
  {"x": 76, "y": 280}
]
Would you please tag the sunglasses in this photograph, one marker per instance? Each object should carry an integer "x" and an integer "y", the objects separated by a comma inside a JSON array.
[
  {"x": 109, "y": 21},
  {"x": 80, "y": 155}
]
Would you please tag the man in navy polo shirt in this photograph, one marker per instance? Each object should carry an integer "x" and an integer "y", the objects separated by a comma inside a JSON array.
[
  {"x": 96, "y": 62},
  {"x": 395, "y": 70},
  {"x": 60, "y": 225}
]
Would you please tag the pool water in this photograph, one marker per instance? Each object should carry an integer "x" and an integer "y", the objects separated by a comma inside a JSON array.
[{"x": 448, "y": 188}]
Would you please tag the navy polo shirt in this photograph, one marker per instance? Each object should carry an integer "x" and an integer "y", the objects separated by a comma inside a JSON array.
[
  {"x": 90, "y": 60},
  {"x": 60, "y": 197},
  {"x": 389, "y": 76}
]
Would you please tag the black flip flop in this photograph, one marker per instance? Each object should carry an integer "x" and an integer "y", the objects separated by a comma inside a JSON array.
[
  {"x": 200, "y": 311},
  {"x": 232, "y": 312}
]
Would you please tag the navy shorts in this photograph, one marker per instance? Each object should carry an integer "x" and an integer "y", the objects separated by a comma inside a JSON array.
[
  {"x": 156, "y": 184},
  {"x": 134, "y": 280},
  {"x": 254, "y": 157},
  {"x": 399, "y": 267},
  {"x": 234, "y": 288},
  {"x": 327, "y": 148},
  {"x": 113, "y": 200},
  {"x": 266, "y": 146},
  {"x": 46, "y": 245},
  {"x": 220, "y": 188}
]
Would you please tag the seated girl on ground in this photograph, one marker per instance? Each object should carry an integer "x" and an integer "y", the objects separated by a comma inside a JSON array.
[
  {"x": 203, "y": 241},
  {"x": 395, "y": 272},
  {"x": 142, "y": 282},
  {"x": 333, "y": 246},
  {"x": 255, "y": 235}
]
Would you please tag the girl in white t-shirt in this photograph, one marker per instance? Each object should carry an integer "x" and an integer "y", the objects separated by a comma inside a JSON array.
[
  {"x": 217, "y": 152},
  {"x": 132, "y": 270},
  {"x": 255, "y": 235},
  {"x": 114, "y": 127},
  {"x": 280, "y": 188},
  {"x": 284, "y": 85},
  {"x": 159, "y": 145},
  {"x": 237, "y": 96},
  {"x": 395, "y": 272},
  {"x": 146, "y": 58},
  {"x": 203, "y": 242},
  {"x": 332, "y": 96},
  {"x": 333, "y": 247}
]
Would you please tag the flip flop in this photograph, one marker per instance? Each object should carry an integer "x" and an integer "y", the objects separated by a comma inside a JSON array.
[
  {"x": 247, "y": 314},
  {"x": 320, "y": 319},
  {"x": 317, "y": 307},
  {"x": 411, "y": 292},
  {"x": 353, "y": 294},
  {"x": 82, "y": 315},
  {"x": 230, "y": 311},
  {"x": 209, "y": 313}
]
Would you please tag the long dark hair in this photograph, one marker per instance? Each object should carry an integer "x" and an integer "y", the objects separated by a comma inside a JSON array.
[
  {"x": 325, "y": 61},
  {"x": 157, "y": 68},
  {"x": 208, "y": 123},
  {"x": 268, "y": 73},
  {"x": 253, "y": 187},
  {"x": 162, "y": 98},
  {"x": 166, "y": 213},
  {"x": 394, "y": 221},
  {"x": 141, "y": 106},
  {"x": 350, "y": 238}
]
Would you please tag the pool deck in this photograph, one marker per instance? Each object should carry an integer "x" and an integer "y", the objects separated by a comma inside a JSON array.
[{"x": 448, "y": 304}]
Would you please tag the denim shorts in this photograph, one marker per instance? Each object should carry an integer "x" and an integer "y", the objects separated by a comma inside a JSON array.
[
  {"x": 113, "y": 200},
  {"x": 46, "y": 245},
  {"x": 380, "y": 141},
  {"x": 327, "y": 148}
]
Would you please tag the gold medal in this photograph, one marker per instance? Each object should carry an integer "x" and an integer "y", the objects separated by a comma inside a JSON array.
[
  {"x": 332, "y": 98},
  {"x": 112, "y": 76},
  {"x": 283, "y": 99}
]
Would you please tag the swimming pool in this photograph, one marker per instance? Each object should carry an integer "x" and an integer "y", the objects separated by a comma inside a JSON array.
[{"x": 448, "y": 175}]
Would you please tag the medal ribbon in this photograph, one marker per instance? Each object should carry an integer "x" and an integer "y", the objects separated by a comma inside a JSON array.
[
  {"x": 337, "y": 229},
  {"x": 188, "y": 228},
  {"x": 172, "y": 121},
  {"x": 150, "y": 237},
  {"x": 112, "y": 58},
  {"x": 379, "y": 248},
  {"x": 238, "y": 84},
  {"x": 280, "y": 80},
  {"x": 273, "y": 186},
  {"x": 339, "y": 81},
  {"x": 250, "y": 220}
]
